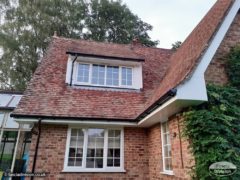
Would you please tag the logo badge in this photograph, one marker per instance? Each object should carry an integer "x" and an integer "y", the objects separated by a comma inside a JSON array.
[{"x": 222, "y": 169}]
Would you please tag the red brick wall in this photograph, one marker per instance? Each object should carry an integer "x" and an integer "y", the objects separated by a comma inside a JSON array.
[
  {"x": 181, "y": 166},
  {"x": 52, "y": 151},
  {"x": 216, "y": 72}
]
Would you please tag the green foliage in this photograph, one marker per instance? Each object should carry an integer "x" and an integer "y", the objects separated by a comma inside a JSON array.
[
  {"x": 28, "y": 25},
  {"x": 214, "y": 130},
  {"x": 233, "y": 69},
  {"x": 176, "y": 45},
  {"x": 214, "y": 127},
  {"x": 113, "y": 22}
]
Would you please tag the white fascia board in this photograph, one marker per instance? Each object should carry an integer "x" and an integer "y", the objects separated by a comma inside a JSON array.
[
  {"x": 156, "y": 111},
  {"x": 72, "y": 122},
  {"x": 195, "y": 87}
]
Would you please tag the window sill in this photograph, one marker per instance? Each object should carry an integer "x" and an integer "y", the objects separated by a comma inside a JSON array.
[
  {"x": 94, "y": 170},
  {"x": 170, "y": 173}
]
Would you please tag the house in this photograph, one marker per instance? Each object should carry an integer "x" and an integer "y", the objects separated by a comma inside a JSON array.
[
  {"x": 15, "y": 139},
  {"x": 110, "y": 111}
]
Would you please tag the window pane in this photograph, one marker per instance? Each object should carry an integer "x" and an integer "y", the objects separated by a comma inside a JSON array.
[
  {"x": 98, "y": 74},
  {"x": 99, "y": 163},
  {"x": 71, "y": 161},
  {"x": 83, "y": 73},
  {"x": 116, "y": 162},
  {"x": 126, "y": 76},
  {"x": 110, "y": 162},
  {"x": 90, "y": 163},
  {"x": 78, "y": 162},
  {"x": 113, "y": 75},
  {"x": 95, "y": 148},
  {"x": 166, "y": 147},
  {"x": 76, "y": 147},
  {"x": 113, "y": 148}
]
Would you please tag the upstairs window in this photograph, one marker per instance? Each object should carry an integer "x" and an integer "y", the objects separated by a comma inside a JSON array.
[{"x": 104, "y": 75}]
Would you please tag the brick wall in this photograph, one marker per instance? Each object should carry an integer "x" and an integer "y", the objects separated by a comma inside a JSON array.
[
  {"x": 181, "y": 165},
  {"x": 216, "y": 72},
  {"x": 52, "y": 151},
  {"x": 142, "y": 154}
]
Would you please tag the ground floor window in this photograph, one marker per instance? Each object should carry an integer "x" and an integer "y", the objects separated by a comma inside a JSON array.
[
  {"x": 94, "y": 149},
  {"x": 166, "y": 148}
]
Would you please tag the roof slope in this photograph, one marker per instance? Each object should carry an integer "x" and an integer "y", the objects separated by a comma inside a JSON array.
[
  {"x": 99, "y": 49},
  {"x": 184, "y": 61},
  {"x": 47, "y": 94}
]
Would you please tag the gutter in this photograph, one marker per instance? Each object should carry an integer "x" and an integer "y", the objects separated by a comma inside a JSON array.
[
  {"x": 171, "y": 93},
  {"x": 69, "y": 118}
]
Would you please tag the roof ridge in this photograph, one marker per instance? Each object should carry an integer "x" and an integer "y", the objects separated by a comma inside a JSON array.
[{"x": 107, "y": 43}]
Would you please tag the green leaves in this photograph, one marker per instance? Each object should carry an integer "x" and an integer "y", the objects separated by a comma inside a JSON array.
[
  {"x": 233, "y": 69},
  {"x": 214, "y": 130}
]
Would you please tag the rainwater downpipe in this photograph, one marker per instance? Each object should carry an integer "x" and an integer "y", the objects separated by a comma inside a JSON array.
[
  {"x": 71, "y": 78},
  {"x": 36, "y": 148}
]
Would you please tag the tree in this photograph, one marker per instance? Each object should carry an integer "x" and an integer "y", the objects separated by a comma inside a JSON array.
[
  {"x": 26, "y": 31},
  {"x": 28, "y": 25},
  {"x": 176, "y": 45},
  {"x": 112, "y": 21}
]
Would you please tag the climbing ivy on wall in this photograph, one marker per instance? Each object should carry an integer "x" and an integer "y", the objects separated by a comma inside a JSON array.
[
  {"x": 233, "y": 68},
  {"x": 214, "y": 126}
]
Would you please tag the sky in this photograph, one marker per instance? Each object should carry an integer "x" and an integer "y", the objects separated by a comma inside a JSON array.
[{"x": 172, "y": 20}]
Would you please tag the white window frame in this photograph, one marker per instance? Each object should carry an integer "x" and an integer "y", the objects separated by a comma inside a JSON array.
[
  {"x": 169, "y": 172},
  {"x": 105, "y": 168},
  {"x": 105, "y": 77}
]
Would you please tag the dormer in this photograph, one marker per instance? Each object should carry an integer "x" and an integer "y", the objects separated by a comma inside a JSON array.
[{"x": 103, "y": 71}]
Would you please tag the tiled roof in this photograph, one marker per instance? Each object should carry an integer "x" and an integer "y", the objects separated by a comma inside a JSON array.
[{"x": 47, "y": 94}]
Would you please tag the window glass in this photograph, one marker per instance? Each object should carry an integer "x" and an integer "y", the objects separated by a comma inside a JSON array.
[
  {"x": 166, "y": 146},
  {"x": 104, "y": 75},
  {"x": 98, "y": 74},
  {"x": 102, "y": 148},
  {"x": 95, "y": 148},
  {"x": 113, "y": 157},
  {"x": 113, "y": 75},
  {"x": 126, "y": 76},
  {"x": 83, "y": 73},
  {"x": 76, "y": 147}
]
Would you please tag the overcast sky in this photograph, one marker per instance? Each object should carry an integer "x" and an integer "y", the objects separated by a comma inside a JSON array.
[{"x": 172, "y": 20}]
